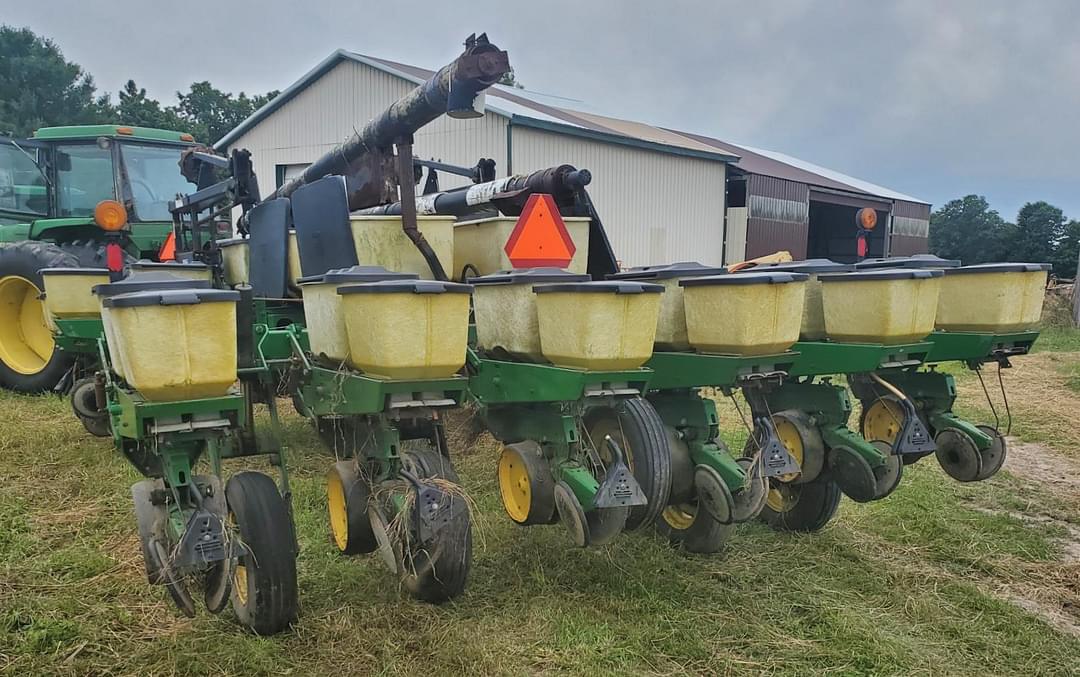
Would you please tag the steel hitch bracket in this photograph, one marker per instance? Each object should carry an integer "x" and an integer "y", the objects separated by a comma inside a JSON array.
[
  {"x": 203, "y": 541},
  {"x": 435, "y": 508},
  {"x": 619, "y": 488},
  {"x": 914, "y": 438},
  {"x": 775, "y": 458}
]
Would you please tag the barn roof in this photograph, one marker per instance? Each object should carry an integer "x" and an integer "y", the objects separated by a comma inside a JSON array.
[{"x": 541, "y": 111}]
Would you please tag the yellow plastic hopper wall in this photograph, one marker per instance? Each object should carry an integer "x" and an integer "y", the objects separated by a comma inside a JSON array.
[
  {"x": 992, "y": 297},
  {"x": 135, "y": 282},
  {"x": 600, "y": 326},
  {"x": 293, "y": 270},
  {"x": 754, "y": 313},
  {"x": 176, "y": 345},
  {"x": 323, "y": 312},
  {"x": 411, "y": 329},
  {"x": 69, "y": 291},
  {"x": 671, "y": 326},
  {"x": 813, "y": 320},
  {"x": 887, "y": 306},
  {"x": 482, "y": 244},
  {"x": 235, "y": 260},
  {"x": 504, "y": 306},
  {"x": 188, "y": 271},
  {"x": 380, "y": 241}
]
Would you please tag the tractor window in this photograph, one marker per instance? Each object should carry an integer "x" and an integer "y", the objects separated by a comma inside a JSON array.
[
  {"x": 153, "y": 174},
  {"x": 22, "y": 186},
  {"x": 84, "y": 177}
]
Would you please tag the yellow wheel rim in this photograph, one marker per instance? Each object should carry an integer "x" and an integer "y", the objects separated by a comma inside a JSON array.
[
  {"x": 239, "y": 577},
  {"x": 26, "y": 344},
  {"x": 240, "y": 584},
  {"x": 789, "y": 435},
  {"x": 514, "y": 485},
  {"x": 882, "y": 421},
  {"x": 339, "y": 512},
  {"x": 679, "y": 517},
  {"x": 781, "y": 497}
]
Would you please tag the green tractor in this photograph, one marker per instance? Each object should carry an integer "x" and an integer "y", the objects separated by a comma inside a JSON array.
[{"x": 51, "y": 188}]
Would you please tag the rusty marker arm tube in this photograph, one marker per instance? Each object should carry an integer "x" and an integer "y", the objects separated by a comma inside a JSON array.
[{"x": 452, "y": 91}]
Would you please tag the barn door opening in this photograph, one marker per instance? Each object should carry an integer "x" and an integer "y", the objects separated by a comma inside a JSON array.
[{"x": 832, "y": 232}]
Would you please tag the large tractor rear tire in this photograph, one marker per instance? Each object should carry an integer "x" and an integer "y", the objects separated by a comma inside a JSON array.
[{"x": 29, "y": 362}]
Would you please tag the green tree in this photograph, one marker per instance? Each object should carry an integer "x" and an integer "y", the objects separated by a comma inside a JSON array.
[
  {"x": 1067, "y": 253},
  {"x": 39, "y": 87},
  {"x": 1040, "y": 228},
  {"x": 139, "y": 110},
  {"x": 969, "y": 230},
  {"x": 210, "y": 113}
]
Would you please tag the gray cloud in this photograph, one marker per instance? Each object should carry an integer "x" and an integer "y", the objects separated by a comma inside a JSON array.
[{"x": 931, "y": 98}]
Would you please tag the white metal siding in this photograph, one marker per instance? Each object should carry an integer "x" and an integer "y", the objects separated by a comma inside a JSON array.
[
  {"x": 343, "y": 100},
  {"x": 735, "y": 251},
  {"x": 656, "y": 207}
]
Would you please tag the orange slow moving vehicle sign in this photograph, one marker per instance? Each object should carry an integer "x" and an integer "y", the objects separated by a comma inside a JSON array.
[{"x": 540, "y": 237}]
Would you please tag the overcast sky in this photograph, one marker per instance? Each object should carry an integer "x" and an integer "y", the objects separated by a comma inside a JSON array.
[{"x": 936, "y": 99}]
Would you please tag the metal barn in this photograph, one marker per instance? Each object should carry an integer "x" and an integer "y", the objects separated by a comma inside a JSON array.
[{"x": 721, "y": 202}]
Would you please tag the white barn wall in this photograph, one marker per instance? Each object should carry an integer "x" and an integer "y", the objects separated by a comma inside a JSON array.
[
  {"x": 325, "y": 113},
  {"x": 656, "y": 207}
]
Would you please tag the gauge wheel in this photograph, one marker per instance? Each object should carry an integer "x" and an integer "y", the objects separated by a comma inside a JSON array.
[
  {"x": 347, "y": 497},
  {"x": 882, "y": 419},
  {"x": 993, "y": 457},
  {"x": 888, "y": 475},
  {"x": 691, "y": 527},
  {"x": 84, "y": 404},
  {"x": 958, "y": 455},
  {"x": 526, "y": 485},
  {"x": 801, "y": 507},
  {"x": 640, "y": 433},
  {"x": 264, "y": 588},
  {"x": 437, "y": 571}
]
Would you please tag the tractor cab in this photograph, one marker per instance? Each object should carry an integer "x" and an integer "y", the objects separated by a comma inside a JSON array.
[
  {"x": 51, "y": 184},
  {"x": 65, "y": 193}
]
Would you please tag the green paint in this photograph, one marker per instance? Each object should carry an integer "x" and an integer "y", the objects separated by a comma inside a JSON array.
[
  {"x": 500, "y": 382},
  {"x": 94, "y": 131},
  {"x": 817, "y": 358},
  {"x": 692, "y": 370},
  {"x": 975, "y": 347},
  {"x": 329, "y": 392},
  {"x": 580, "y": 481},
  {"x": 842, "y": 436}
]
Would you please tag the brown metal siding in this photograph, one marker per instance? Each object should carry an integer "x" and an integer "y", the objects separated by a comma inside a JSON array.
[
  {"x": 914, "y": 210},
  {"x": 769, "y": 198},
  {"x": 906, "y": 244},
  {"x": 903, "y": 245},
  {"x": 765, "y": 237}
]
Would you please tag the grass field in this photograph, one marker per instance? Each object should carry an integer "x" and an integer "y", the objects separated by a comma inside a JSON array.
[{"x": 941, "y": 578}]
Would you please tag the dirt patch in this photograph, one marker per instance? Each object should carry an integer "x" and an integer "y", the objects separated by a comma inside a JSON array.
[
  {"x": 1039, "y": 396},
  {"x": 1042, "y": 465},
  {"x": 1051, "y": 614}
]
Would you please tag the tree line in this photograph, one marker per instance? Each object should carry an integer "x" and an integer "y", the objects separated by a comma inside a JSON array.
[
  {"x": 40, "y": 88},
  {"x": 969, "y": 230}
]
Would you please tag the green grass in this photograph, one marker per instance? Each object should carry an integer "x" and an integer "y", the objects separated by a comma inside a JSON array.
[
  {"x": 906, "y": 586},
  {"x": 1058, "y": 340}
]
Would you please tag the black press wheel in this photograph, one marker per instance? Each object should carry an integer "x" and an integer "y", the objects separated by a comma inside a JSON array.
[
  {"x": 264, "y": 590},
  {"x": 347, "y": 497},
  {"x": 84, "y": 404},
  {"x": 993, "y": 457},
  {"x": 437, "y": 571},
  {"x": 640, "y": 433},
  {"x": 801, "y": 507}
]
